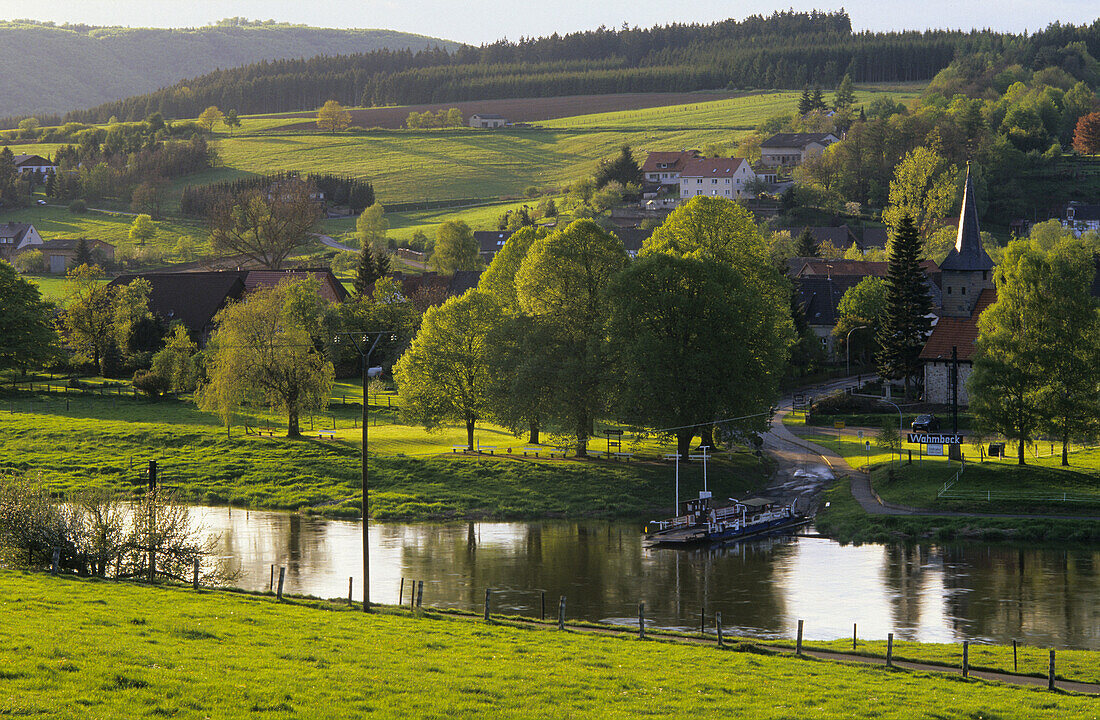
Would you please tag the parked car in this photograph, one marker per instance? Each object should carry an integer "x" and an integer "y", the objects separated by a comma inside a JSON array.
[
  {"x": 926, "y": 423},
  {"x": 41, "y": 202}
]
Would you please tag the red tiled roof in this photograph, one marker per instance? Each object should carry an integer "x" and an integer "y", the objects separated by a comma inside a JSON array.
[
  {"x": 712, "y": 167},
  {"x": 957, "y": 332},
  {"x": 862, "y": 268},
  {"x": 331, "y": 289},
  {"x": 673, "y": 160}
]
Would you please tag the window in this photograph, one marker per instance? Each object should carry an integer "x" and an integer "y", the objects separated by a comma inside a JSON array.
[
  {"x": 948, "y": 289},
  {"x": 963, "y": 290},
  {"x": 714, "y": 181}
]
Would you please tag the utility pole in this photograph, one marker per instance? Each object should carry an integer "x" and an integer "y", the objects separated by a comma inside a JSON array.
[{"x": 955, "y": 449}]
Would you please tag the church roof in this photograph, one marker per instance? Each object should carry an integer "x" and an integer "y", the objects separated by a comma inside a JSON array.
[{"x": 968, "y": 253}]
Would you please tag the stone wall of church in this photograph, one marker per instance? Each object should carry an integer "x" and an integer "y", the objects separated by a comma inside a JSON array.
[
  {"x": 962, "y": 289},
  {"x": 937, "y": 382}
]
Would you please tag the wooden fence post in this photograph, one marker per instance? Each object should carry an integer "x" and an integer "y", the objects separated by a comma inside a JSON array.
[
  {"x": 966, "y": 658},
  {"x": 401, "y": 591},
  {"x": 195, "y": 581},
  {"x": 561, "y": 613},
  {"x": 412, "y": 594},
  {"x": 1015, "y": 665},
  {"x": 798, "y": 642},
  {"x": 718, "y": 622},
  {"x": 1050, "y": 672},
  {"x": 271, "y": 580},
  {"x": 349, "y": 591},
  {"x": 282, "y": 574},
  {"x": 854, "y": 628},
  {"x": 703, "y": 620},
  {"x": 890, "y": 650},
  {"x": 641, "y": 620},
  {"x": 487, "y": 591},
  {"x": 543, "y": 616},
  {"x": 420, "y": 595}
]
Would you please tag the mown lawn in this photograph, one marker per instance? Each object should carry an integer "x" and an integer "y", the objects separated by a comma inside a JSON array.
[
  {"x": 86, "y": 649},
  {"x": 78, "y": 442}
]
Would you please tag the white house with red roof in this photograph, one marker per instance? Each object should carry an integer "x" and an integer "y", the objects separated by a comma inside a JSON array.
[
  {"x": 664, "y": 167},
  {"x": 716, "y": 177}
]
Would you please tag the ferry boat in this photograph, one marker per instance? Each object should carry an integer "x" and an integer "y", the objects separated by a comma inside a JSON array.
[{"x": 706, "y": 522}]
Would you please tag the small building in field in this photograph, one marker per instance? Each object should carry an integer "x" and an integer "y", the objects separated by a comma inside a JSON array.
[
  {"x": 489, "y": 121},
  {"x": 1081, "y": 218},
  {"x": 967, "y": 290},
  {"x": 16, "y": 237},
  {"x": 791, "y": 149},
  {"x": 716, "y": 177},
  {"x": 60, "y": 254},
  {"x": 664, "y": 168},
  {"x": 33, "y": 164}
]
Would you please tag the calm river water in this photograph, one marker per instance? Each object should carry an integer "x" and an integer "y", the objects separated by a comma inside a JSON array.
[{"x": 933, "y": 593}]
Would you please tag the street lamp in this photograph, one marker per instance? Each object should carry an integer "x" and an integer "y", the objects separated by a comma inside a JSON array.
[
  {"x": 365, "y": 346},
  {"x": 848, "y": 349}
]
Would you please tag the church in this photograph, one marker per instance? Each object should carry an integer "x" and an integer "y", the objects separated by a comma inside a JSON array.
[{"x": 967, "y": 290}]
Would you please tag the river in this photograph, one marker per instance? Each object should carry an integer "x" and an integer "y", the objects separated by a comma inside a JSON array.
[{"x": 932, "y": 593}]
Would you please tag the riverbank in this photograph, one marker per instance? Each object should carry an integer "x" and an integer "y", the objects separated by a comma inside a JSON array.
[
  {"x": 84, "y": 648},
  {"x": 995, "y": 500},
  {"x": 80, "y": 442}
]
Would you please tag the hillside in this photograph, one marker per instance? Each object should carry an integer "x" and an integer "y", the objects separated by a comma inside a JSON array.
[{"x": 53, "y": 69}]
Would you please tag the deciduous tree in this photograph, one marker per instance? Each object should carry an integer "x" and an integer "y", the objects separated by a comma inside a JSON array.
[
  {"x": 262, "y": 351},
  {"x": 27, "y": 335},
  {"x": 924, "y": 188},
  {"x": 267, "y": 225},
  {"x": 455, "y": 248},
  {"x": 142, "y": 229},
  {"x": 88, "y": 319},
  {"x": 333, "y": 116},
  {"x": 444, "y": 375},
  {"x": 210, "y": 117},
  {"x": 1086, "y": 136},
  {"x": 862, "y": 305}
]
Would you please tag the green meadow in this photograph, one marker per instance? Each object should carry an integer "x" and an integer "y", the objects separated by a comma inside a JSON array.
[
  {"x": 75, "y": 441},
  {"x": 79, "y": 648}
]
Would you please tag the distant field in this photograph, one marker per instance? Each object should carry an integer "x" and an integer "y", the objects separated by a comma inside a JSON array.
[
  {"x": 528, "y": 110},
  {"x": 53, "y": 221},
  {"x": 411, "y": 165},
  {"x": 404, "y": 224}
]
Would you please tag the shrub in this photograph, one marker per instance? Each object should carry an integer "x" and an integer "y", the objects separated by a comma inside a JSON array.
[
  {"x": 31, "y": 261},
  {"x": 842, "y": 403},
  {"x": 151, "y": 384}
]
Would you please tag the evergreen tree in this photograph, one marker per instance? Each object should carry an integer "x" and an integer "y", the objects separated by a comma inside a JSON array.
[
  {"x": 807, "y": 246},
  {"x": 905, "y": 325},
  {"x": 82, "y": 254},
  {"x": 844, "y": 98},
  {"x": 805, "y": 103},
  {"x": 51, "y": 183},
  {"x": 817, "y": 99},
  {"x": 622, "y": 169},
  {"x": 365, "y": 271}
]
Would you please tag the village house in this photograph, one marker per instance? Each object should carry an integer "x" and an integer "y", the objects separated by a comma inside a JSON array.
[
  {"x": 194, "y": 298},
  {"x": 488, "y": 120},
  {"x": 33, "y": 164},
  {"x": 791, "y": 149},
  {"x": 490, "y": 242},
  {"x": 1081, "y": 218},
  {"x": 967, "y": 291},
  {"x": 16, "y": 237},
  {"x": 663, "y": 168},
  {"x": 716, "y": 177},
  {"x": 60, "y": 254}
]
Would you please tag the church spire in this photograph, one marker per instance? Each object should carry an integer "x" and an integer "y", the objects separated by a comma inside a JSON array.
[{"x": 968, "y": 253}]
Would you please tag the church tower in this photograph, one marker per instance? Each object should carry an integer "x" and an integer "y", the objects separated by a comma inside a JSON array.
[{"x": 968, "y": 268}]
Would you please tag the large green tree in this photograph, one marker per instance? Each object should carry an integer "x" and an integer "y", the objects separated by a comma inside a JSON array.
[
  {"x": 862, "y": 306},
  {"x": 622, "y": 168},
  {"x": 455, "y": 248},
  {"x": 562, "y": 285},
  {"x": 444, "y": 375},
  {"x": 924, "y": 188},
  {"x": 905, "y": 323},
  {"x": 371, "y": 227},
  {"x": 27, "y": 335},
  {"x": 265, "y": 350},
  {"x": 683, "y": 359},
  {"x": 88, "y": 319}
]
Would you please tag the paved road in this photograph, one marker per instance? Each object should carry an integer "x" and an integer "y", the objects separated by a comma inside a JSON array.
[{"x": 326, "y": 240}]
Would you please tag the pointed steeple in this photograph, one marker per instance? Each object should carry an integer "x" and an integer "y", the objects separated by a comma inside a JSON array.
[{"x": 968, "y": 253}]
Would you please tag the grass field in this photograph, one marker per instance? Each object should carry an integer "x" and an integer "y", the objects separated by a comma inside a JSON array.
[
  {"x": 53, "y": 222},
  {"x": 83, "y": 441},
  {"x": 95, "y": 649},
  {"x": 410, "y": 165}
]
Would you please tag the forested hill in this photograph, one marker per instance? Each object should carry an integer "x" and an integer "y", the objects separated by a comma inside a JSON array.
[
  {"x": 53, "y": 69},
  {"x": 785, "y": 50}
]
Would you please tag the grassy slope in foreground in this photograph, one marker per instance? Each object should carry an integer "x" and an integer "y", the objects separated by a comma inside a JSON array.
[
  {"x": 88, "y": 442},
  {"x": 80, "y": 648}
]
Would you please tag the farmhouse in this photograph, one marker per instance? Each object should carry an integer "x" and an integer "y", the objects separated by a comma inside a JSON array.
[
  {"x": 33, "y": 164},
  {"x": 790, "y": 149},
  {"x": 1081, "y": 218},
  {"x": 15, "y": 237},
  {"x": 488, "y": 120},
  {"x": 60, "y": 254},
  {"x": 716, "y": 177},
  {"x": 194, "y": 298},
  {"x": 663, "y": 168},
  {"x": 490, "y": 242},
  {"x": 967, "y": 291}
]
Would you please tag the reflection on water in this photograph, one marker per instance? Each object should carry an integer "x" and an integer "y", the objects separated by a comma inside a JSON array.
[{"x": 762, "y": 588}]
